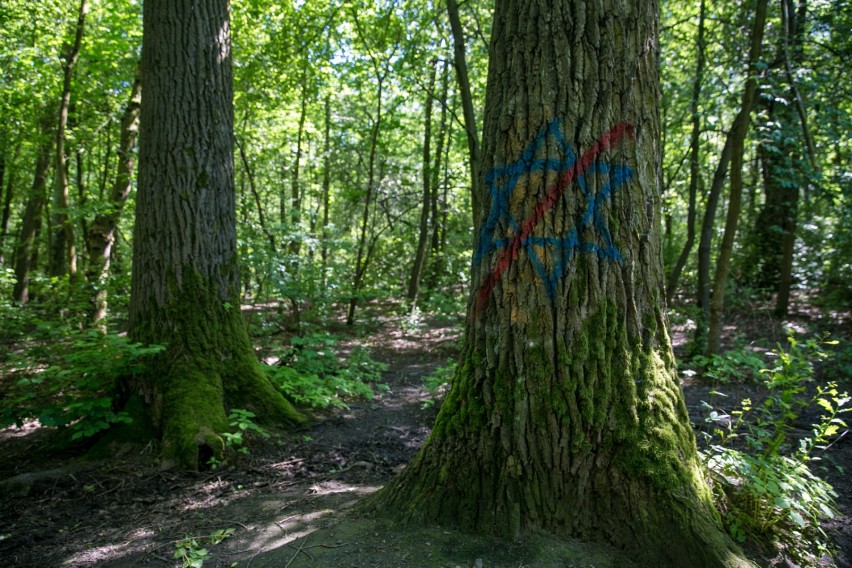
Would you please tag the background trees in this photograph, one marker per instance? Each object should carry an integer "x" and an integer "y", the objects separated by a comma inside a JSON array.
[{"x": 334, "y": 185}]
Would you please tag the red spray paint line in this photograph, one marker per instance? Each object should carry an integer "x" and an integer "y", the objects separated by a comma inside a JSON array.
[{"x": 568, "y": 177}]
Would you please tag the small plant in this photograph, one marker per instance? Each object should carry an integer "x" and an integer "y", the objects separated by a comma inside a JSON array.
[
  {"x": 242, "y": 422},
  {"x": 438, "y": 383},
  {"x": 190, "y": 549},
  {"x": 734, "y": 366},
  {"x": 243, "y": 425},
  {"x": 760, "y": 474},
  {"x": 412, "y": 321}
]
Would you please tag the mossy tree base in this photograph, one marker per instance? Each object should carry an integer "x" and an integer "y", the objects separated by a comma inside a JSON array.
[
  {"x": 208, "y": 367},
  {"x": 597, "y": 447}
]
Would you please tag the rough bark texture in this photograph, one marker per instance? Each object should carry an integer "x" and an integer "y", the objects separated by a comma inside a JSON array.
[
  {"x": 566, "y": 414},
  {"x": 185, "y": 276}
]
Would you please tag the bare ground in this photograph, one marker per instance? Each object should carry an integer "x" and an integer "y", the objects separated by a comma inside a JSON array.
[{"x": 290, "y": 502}]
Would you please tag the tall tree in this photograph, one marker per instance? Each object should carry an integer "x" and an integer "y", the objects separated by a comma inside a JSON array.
[
  {"x": 31, "y": 222},
  {"x": 566, "y": 414},
  {"x": 737, "y": 139},
  {"x": 470, "y": 127},
  {"x": 63, "y": 257},
  {"x": 426, "y": 199},
  {"x": 694, "y": 155},
  {"x": 101, "y": 236},
  {"x": 185, "y": 289}
]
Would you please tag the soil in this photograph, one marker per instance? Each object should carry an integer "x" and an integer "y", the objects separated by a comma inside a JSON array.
[{"x": 289, "y": 503}]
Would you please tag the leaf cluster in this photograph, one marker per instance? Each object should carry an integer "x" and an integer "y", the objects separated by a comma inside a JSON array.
[{"x": 759, "y": 467}]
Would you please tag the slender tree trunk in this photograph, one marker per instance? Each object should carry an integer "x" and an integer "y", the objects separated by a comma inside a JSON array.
[
  {"x": 31, "y": 222},
  {"x": 296, "y": 189},
  {"x": 7, "y": 202},
  {"x": 565, "y": 414},
  {"x": 185, "y": 290},
  {"x": 738, "y": 133},
  {"x": 63, "y": 258},
  {"x": 261, "y": 216},
  {"x": 470, "y": 127},
  {"x": 101, "y": 235},
  {"x": 361, "y": 260},
  {"x": 426, "y": 201},
  {"x": 694, "y": 159},
  {"x": 436, "y": 259},
  {"x": 326, "y": 192}
]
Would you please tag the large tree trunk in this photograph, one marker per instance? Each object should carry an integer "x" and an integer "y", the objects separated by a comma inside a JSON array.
[
  {"x": 566, "y": 414},
  {"x": 185, "y": 291},
  {"x": 101, "y": 235}
]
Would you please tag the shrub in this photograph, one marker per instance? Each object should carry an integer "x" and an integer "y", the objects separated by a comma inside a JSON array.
[
  {"x": 311, "y": 374},
  {"x": 760, "y": 474},
  {"x": 67, "y": 378}
]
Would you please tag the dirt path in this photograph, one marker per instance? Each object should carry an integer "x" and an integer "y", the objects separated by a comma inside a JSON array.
[{"x": 287, "y": 505}]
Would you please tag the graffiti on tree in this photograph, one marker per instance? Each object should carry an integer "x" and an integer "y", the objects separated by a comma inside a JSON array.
[{"x": 504, "y": 234}]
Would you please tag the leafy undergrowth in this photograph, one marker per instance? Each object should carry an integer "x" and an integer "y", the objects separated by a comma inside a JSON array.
[{"x": 285, "y": 500}]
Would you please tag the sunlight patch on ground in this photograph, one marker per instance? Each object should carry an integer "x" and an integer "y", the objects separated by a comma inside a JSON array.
[
  {"x": 330, "y": 487},
  {"x": 100, "y": 554},
  {"x": 28, "y": 427}
]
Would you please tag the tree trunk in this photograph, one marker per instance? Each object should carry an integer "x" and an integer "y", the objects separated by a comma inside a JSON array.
[
  {"x": 7, "y": 204},
  {"x": 295, "y": 245},
  {"x": 326, "y": 192},
  {"x": 426, "y": 201},
  {"x": 63, "y": 257},
  {"x": 436, "y": 259},
  {"x": 185, "y": 289},
  {"x": 694, "y": 159},
  {"x": 31, "y": 222},
  {"x": 565, "y": 414},
  {"x": 101, "y": 236},
  {"x": 738, "y": 136},
  {"x": 471, "y": 130}
]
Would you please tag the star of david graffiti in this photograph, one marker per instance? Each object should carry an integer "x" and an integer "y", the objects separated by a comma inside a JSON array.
[{"x": 504, "y": 233}]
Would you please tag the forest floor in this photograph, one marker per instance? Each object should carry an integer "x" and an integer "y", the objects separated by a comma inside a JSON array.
[{"x": 290, "y": 502}]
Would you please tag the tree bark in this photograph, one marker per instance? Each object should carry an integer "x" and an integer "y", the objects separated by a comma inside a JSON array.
[
  {"x": 738, "y": 136},
  {"x": 185, "y": 289},
  {"x": 63, "y": 257},
  {"x": 101, "y": 236},
  {"x": 565, "y": 413},
  {"x": 694, "y": 159}
]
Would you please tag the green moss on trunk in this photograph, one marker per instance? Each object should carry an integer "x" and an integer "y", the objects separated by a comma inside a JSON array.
[{"x": 208, "y": 366}]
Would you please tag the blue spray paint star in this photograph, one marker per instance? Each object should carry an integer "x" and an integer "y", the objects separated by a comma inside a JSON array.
[{"x": 503, "y": 181}]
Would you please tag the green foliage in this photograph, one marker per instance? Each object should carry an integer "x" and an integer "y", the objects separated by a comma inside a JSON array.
[
  {"x": 760, "y": 473},
  {"x": 67, "y": 378},
  {"x": 190, "y": 549},
  {"x": 438, "y": 382},
  {"x": 242, "y": 422},
  {"x": 312, "y": 375},
  {"x": 740, "y": 365}
]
